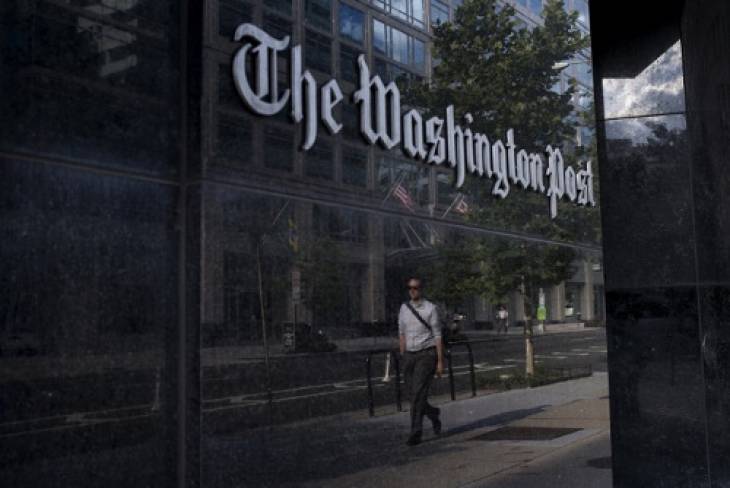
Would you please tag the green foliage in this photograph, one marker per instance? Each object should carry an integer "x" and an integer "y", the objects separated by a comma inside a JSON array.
[
  {"x": 503, "y": 75},
  {"x": 516, "y": 379},
  {"x": 323, "y": 266}
]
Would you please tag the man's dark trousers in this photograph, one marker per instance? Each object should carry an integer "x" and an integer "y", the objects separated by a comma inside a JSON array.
[{"x": 419, "y": 369}]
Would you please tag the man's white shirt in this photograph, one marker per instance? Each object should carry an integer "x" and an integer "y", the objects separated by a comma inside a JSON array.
[{"x": 418, "y": 336}]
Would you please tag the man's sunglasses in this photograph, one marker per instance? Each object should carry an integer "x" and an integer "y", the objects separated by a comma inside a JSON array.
[{"x": 414, "y": 287}]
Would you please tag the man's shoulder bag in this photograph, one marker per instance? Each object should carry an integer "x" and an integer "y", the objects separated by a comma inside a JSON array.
[{"x": 444, "y": 330}]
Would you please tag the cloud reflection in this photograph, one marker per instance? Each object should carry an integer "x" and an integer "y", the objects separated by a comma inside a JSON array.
[{"x": 658, "y": 89}]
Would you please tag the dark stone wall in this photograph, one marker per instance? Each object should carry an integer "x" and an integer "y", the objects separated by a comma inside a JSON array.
[{"x": 663, "y": 96}]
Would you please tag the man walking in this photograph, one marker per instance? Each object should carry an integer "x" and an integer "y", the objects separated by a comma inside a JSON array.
[
  {"x": 422, "y": 349},
  {"x": 502, "y": 319}
]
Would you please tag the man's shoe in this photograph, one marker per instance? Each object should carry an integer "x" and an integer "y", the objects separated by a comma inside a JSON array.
[{"x": 414, "y": 439}]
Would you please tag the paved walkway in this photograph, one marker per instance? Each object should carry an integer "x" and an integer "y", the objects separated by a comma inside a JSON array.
[{"x": 354, "y": 451}]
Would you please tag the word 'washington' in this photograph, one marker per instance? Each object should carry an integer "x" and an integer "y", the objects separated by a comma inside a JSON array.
[{"x": 435, "y": 141}]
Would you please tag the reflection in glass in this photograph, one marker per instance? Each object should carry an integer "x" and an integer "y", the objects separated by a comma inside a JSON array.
[
  {"x": 67, "y": 61},
  {"x": 333, "y": 278},
  {"x": 354, "y": 167},
  {"x": 88, "y": 304},
  {"x": 411, "y": 11},
  {"x": 657, "y": 89},
  {"x": 231, "y": 14},
  {"x": 647, "y": 161},
  {"x": 535, "y": 6},
  {"x": 318, "y": 52},
  {"x": 279, "y": 143},
  {"x": 402, "y": 183},
  {"x": 318, "y": 13},
  {"x": 233, "y": 142},
  {"x": 349, "y": 69},
  {"x": 283, "y": 6},
  {"x": 398, "y": 45},
  {"x": 352, "y": 23},
  {"x": 318, "y": 162},
  {"x": 439, "y": 12},
  {"x": 581, "y": 6}
]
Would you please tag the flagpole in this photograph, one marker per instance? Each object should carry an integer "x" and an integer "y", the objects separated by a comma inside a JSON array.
[
  {"x": 458, "y": 197},
  {"x": 398, "y": 181}
]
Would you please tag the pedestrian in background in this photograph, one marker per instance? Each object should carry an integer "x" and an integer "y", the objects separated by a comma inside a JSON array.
[
  {"x": 502, "y": 319},
  {"x": 421, "y": 347}
]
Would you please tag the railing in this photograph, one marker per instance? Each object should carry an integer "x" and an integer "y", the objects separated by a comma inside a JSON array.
[
  {"x": 472, "y": 372},
  {"x": 395, "y": 357}
]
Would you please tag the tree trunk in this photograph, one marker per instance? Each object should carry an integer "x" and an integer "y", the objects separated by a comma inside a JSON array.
[{"x": 529, "y": 347}]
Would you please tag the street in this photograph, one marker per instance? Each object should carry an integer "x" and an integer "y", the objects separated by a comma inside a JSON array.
[
  {"x": 234, "y": 393},
  {"x": 78, "y": 411}
]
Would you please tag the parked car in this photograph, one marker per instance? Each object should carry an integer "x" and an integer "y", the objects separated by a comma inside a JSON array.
[{"x": 303, "y": 337}]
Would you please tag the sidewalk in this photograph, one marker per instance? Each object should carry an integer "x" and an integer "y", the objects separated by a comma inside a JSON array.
[{"x": 353, "y": 450}]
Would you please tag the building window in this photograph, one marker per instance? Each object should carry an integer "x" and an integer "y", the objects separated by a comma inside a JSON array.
[
  {"x": 535, "y": 6},
  {"x": 581, "y": 71},
  {"x": 355, "y": 167},
  {"x": 319, "y": 14},
  {"x": 391, "y": 72},
  {"x": 340, "y": 224},
  {"x": 399, "y": 46},
  {"x": 277, "y": 27},
  {"x": 402, "y": 183},
  {"x": 234, "y": 139},
  {"x": 231, "y": 14},
  {"x": 439, "y": 12},
  {"x": 350, "y": 121},
  {"x": 319, "y": 161},
  {"x": 348, "y": 63},
  {"x": 581, "y": 6},
  {"x": 411, "y": 11},
  {"x": 283, "y": 6},
  {"x": 352, "y": 24},
  {"x": 279, "y": 144},
  {"x": 318, "y": 52},
  {"x": 445, "y": 187}
]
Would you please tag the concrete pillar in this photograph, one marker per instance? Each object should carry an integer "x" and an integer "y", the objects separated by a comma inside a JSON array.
[
  {"x": 556, "y": 307},
  {"x": 517, "y": 307},
  {"x": 587, "y": 296}
]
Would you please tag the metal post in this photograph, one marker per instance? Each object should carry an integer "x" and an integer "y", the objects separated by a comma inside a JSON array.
[
  {"x": 451, "y": 375},
  {"x": 371, "y": 406},
  {"x": 267, "y": 363},
  {"x": 472, "y": 373},
  {"x": 396, "y": 363}
]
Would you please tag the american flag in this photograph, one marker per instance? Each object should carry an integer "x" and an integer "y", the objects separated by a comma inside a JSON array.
[
  {"x": 462, "y": 207},
  {"x": 403, "y": 196}
]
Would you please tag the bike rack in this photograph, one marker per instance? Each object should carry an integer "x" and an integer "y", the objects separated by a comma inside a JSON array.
[
  {"x": 393, "y": 355},
  {"x": 452, "y": 387},
  {"x": 472, "y": 372}
]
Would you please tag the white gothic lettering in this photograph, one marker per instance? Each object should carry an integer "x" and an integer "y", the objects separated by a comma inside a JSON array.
[{"x": 436, "y": 141}]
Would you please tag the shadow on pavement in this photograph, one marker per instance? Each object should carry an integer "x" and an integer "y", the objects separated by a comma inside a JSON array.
[{"x": 325, "y": 449}]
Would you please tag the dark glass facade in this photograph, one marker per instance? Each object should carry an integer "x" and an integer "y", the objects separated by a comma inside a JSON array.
[{"x": 161, "y": 241}]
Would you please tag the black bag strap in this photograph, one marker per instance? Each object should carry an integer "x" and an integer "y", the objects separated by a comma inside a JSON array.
[{"x": 420, "y": 319}]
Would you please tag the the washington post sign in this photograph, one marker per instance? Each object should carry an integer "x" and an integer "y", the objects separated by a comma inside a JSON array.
[{"x": 436, "y": 141}]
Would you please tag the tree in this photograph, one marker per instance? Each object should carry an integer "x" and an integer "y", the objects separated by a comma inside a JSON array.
[{"x": 504, "y": 76}]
